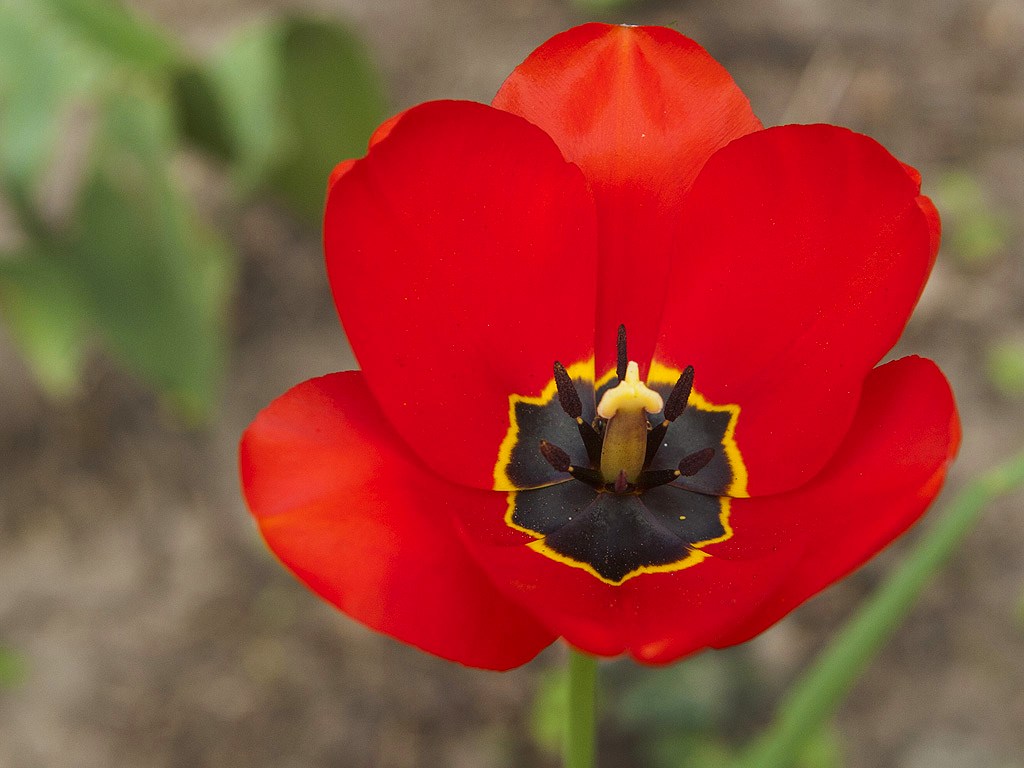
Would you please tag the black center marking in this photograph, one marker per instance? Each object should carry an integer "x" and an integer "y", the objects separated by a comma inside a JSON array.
[{"x": 616, "y": 532}]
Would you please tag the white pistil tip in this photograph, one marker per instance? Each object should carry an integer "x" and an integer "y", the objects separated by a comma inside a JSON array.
[{"x": 630, "y": 394}]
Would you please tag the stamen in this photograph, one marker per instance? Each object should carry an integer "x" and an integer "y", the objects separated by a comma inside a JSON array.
[
  {"x": 674, "y": 407},
  {"x": 652, "y": 478},
  {"x": 592, "y": 440},
  {"x": 555, "y": 456},
  {"x": 587, "y": 475},
  {"x": 694, "y": 462},
  {"x": 680, "y": 395},
  {"x": 690, "y": 465},
  {"x": 621, "y": 358},
  {"x": 654, "y": 438},
  {"x": 561, "y": 462},
  {"x": 569, "y": 399}
]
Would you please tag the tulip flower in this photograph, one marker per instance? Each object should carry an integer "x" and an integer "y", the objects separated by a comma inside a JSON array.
[{"x": 619, "y": 375}]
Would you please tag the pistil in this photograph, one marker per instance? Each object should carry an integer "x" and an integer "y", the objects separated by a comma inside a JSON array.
[{"x": 625, "y": 408}]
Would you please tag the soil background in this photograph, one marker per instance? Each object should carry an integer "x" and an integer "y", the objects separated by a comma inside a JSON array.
[{"x": 157, "y": 631}]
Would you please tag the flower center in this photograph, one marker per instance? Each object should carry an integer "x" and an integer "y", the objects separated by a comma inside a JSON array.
[
  {"x": 617, "y": 476},
  {"x": 621, "y": 442}
]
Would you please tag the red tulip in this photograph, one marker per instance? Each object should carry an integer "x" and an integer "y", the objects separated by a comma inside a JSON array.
[{"x": 508, "y": 467}]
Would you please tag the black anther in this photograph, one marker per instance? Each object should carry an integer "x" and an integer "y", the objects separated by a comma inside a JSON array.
[
  {"x": 694, "y": 462},
  {"x": 622, "y": 360},
  {"x": 555, "y": 456},
  {"x": 691, "y": 464},
  {"x": 568, "y": 397},
  {"x": 677, "y": 400},
  {"x": 561, "y": 462}
]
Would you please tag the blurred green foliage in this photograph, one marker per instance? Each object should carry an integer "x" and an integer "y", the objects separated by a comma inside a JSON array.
[
  {"x": 683, "y": 715},
  {"x": 1005, "y": 366},
  {"x": 284, "y": 102},
  {"x": 976, "y": 235},
  {"x": 972, "y": 233},
  {"x": 699, "y": 696},
  {"x": 100, "y": 105},
  {"x": 13, "y": 668}
]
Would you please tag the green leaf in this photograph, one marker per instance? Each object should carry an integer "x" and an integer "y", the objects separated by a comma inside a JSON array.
[
  {"x": 136, "y": 268},
  {"x": 200, "y": 113},
  {"x": 813, "y": 700},
  {"x": 332, "y": 101},
  {"x": 111, "y": 27},
  {"x": 284, "y": 102},
  {"x": 157, "y": 279},
  {"x": 42, "y": 70},
  {"x": 31, "y": 93},
  {"x": 1005, "y": 367},
  {"x": 246, "y": 78},
  {"x": 47, "y": 315}
]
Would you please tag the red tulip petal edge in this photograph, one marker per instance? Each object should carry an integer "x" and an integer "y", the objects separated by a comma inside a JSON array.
[{"x": 620, "y": 379}]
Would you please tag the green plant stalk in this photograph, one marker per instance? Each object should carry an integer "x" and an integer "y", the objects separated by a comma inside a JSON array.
[
  {"x": 815, "y": 697},
  {"x": 580, "y": 733}
]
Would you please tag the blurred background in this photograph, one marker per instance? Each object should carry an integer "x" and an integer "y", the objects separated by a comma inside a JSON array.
[{"x": 162, "y": 167}]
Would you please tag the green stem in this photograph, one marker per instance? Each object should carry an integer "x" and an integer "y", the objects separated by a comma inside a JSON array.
[
  {"x": 815, "y": 697},
  {"x": 580, "y": 733}
]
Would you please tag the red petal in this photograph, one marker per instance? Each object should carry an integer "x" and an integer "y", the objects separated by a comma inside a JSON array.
[
  {"x": 461, "y": 254},
  {"x": 640, "y": 110},
  {"x": 804, "y": 251},
  {"x": 931, "y": 214},
  {"x": 889, "y": 468},
  {"x": 346, "y": 507}
]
